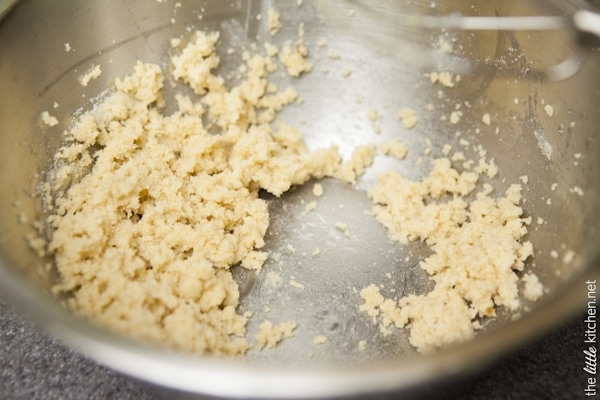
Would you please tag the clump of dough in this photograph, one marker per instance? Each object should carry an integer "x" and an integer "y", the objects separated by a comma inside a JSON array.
[
  {"x": 49, "y": 119},
  {"x": 294, "y": 59},
  {"x": 444, "y": 78},
  {"x": 151, "y": 210},
  {"x": 269, "y": 335},
  {"x": 394, "y": 148},
  {"x": 362, "y": 157},
  {"x": 408, "y": 117},
  {"x": 476, "y": 246}
]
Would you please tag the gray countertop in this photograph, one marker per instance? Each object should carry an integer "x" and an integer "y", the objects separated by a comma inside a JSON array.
[{"x": 34, "y": 366}]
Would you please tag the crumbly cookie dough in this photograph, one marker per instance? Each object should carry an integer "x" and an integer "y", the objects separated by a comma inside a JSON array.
[
  {"x": 477, "y": 250},
  {"x": 151, "y": 210}
]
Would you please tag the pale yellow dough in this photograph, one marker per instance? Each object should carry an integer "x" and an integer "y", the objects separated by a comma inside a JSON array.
[
  {"x": 269, "y": 335},
  {"x": 151, "y": 210},
  {"x": 477, "y": 250}
]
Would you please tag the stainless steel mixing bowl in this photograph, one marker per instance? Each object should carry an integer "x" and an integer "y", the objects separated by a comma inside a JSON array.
[{"x": 37, "y": 71}]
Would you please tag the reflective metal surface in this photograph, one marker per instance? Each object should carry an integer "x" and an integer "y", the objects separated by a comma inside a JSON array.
[{"x": 37, "y": 73}]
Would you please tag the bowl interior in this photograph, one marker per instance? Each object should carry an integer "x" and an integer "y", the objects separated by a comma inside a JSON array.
[{"x": 540, "y": 129}]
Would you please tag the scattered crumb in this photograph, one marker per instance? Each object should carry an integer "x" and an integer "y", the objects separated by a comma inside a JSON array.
[
  {"x": 49, "y": 119},
  {"x": 273, "y": 22},
  {"x": 270, "y": 335},
  {"x": 343, "y": 227},
  {"x": 455, "y": 117},
  {"x": 68, "y": 47},
  {"x": 346, "y": 73},
  {"x": 94, "y": 73},
  {"x": 373, "y": 115},
  {"x": 486, "y": 119},
  {"x": 273, "y": 280},
  {"x": 311, "y": 206},
  {"x": 321, "y": 43},
  {"x": 317, "y": 190},
  {"x": 22, "y": 218},
  {"x": 577, "y": 190},
  {"x": 334, "y": 55},
  {"x": 446, "y": 149},
  {"x": 443, "y": 78},
  {"x": 394, "y": 149},
  {"x": 316, "y": 252},
  {"x": 549, "y": 110},
  {"x": 296, "y": 284},
  {"x": 569, "y": 257},
  {"x": 320, "y": 339},
  {"x": 408, "y": 117},
  {"x": 445, "y": 46},
  {"x": 533, "y": 289},
  {"x": 295, "y": 60}
]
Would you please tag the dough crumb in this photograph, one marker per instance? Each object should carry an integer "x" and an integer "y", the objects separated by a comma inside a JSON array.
[
  {"x": 49, "y": 119},
  {"x": 294, "y": 59},
  {"x": 533, "y": 289},
  {"x": 296, "y": 284},
  {"x": 270, "y": 335},
  {"x": 394, "y": 148},
  {"x": 408, "y": 117},
  {"x": 94, "y": 73},
  {"x": 334, "y": 55},
  {"x": 455, "y": 117},
  {"x": 319, "y": 339},
  {"x": 311, "y": 206},
  {"x": 362, "y": 157},
  {"x": 273, "y": 21},
  {"x": 317, "y": 190},
  {"x": 444, "y": 78},
  {"x": 373, "y": 115},
  {"x": 486, "y": 119},
  {"x": 343, "y": 227},
  {"x": 569, "y": 257}
]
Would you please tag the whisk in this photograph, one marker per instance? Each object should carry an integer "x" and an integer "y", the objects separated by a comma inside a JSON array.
[{"x": 584, "y": 24}]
